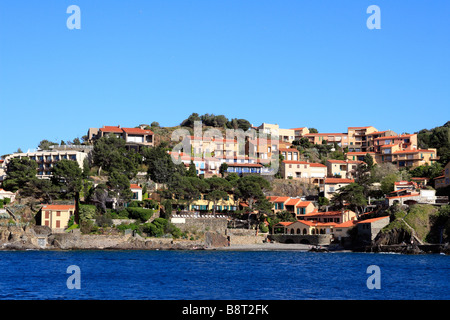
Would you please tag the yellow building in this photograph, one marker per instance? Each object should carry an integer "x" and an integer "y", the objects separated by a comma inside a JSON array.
[
  {"x": 228, "y": 203},
  {"x": 342, "y": 168},
  {"x": 56, "y": 216},
  {"x": 444, "y": 180},
  {"x": 357, "y": 138},
  {"x": 307, "y": 172}
]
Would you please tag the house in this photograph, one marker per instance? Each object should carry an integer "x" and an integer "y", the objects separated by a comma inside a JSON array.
[
  {"x": 408, "y": 196},
  {"x": 285, "y": 135},
  {"x": 342, "y": 168},
  {"x": 56, "y": 216},
  {"x": 409, "y": 185},
  {"x": 2, "y": 170},
  {"x": 134, "y": 137},
  {"x": 314, "y": 173},
  {"x": 137, "y": 192},
  {"x": 443, "y": 180},
  {"x": 303, "y": 227},
  {"x": 341, "y": 230},
  {"x": 368, "y": 229},
  {"x": 226, "y": 204},
  {"x": 420, "y": 181},
  {"x": 290, "y": 154},
  {"x": 330, "y": 216},
  {"x": 360, "y": 156},
  {"x": 7, "y": 195},
  {"x": 333, "y": 185}
]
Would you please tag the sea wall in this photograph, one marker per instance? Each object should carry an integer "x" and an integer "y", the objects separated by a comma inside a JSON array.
[
  {"x": 201, "y": 225},
  {"x": 245, "y": 236}
]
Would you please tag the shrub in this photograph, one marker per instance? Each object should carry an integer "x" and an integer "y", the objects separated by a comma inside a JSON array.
[
  {"x": 160, "y": 227},
  {"x": 87, "y": 211},
  {"x": 103, "y": 220},
  {"x": 263, "y": 227},
  {"x": 141, "y": 214},
  {"x": 1, "y": 203}
]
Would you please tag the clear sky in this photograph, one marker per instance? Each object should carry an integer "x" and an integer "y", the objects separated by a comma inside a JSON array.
[{"x": 295, "y": 63}]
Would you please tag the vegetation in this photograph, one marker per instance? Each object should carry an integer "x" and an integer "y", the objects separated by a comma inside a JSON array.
[{"x": 438, "y": 138}]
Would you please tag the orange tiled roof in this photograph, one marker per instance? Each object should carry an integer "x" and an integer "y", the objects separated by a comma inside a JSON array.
[
  {"x": 292, "y": 202},
  {"x": 295, "y": 162},
  {"x": 58, "y": 207},
  {"x": 282, "y": 199},
  {"x": 134, "y": 186},
  {"x": 303, "y": 204},
  {"x": 115, "y": 129},
  {"x": 137, "y": 131},
  {"x": 317, "y": 165},
  {"x": 372, "y": 220},
  {"x": 338, "y": 180}
]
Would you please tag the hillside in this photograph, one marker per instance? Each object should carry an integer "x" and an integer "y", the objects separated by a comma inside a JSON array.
[
  {"x": 439, "y": 138},
  {"x": 428, "y": 222}
]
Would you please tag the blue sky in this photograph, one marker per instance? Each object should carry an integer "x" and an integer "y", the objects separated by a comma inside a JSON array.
[{"x": 295, "y": 63}]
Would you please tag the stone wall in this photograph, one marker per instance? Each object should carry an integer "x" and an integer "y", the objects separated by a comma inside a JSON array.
[
  {"x": 245, "y": 236},
  {"x": 201, "y": 225},
  {"x": 316, "y": 239}
]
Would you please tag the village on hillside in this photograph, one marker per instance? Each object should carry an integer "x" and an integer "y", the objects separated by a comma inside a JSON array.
[{"x": 228, "y": 183}]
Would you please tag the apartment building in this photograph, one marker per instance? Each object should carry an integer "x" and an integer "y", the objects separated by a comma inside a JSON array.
[
  {"x": 407, "y": 158},
  {"x": 342, "y": 168},
  {"x": 405, "y": 142},
  {"x": 357, "y": 138},
  {"x": 371, "y": 137},
  {"x": 300, "y": 132},
  {"x": 285, "y": 135},
  {"x": 329, "y": 138},
  {"x": 443, "y": 180},
  {"x": 46, "y": 160},
  {"x": 339, "y": 216},
  {"x": 314, "y": 173},
  {"x": 296, "y": 206}
]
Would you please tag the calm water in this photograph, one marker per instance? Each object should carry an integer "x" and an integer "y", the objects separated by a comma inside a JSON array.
[{"x": 208, "y": 275}]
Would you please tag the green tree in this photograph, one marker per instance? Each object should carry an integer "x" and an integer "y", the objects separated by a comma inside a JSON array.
[
  {"x": 352, "y": 196},
  {"x": 20, "y": 174},
  {"x": 388, "y": 182},
  {"x": 218, "y": 189},
  {"x": 119, "y": 188},
  {"x": 192, "y": 171},
  {"x": 313, "y": 130},
  {"x": 368, "y": 159},
  {"x": 45, "y": 144},
  {"x": 223, "y": 169},
  {"x": 161, "y": 168}
]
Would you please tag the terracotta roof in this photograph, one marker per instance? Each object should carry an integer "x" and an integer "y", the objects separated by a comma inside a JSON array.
[
  {"x": 325, "y": 134},
  {"x": 282, "y": 199},
  {"x": 295, "y": 162},
  {"x": 321, "y": 213},
  {"x": 394, "y": 137},
  {"x": 58, "y": 207},
  {"x": 288, "y": 150},
  {"x": 272, "y": 198},
  {"x": 345, "y": 161},
  {"x": 414, "y": 151},
  {"x": 338, "y": 180},
  {"x": 405, "y": 196},
  {"x": 372, "y": 220},
  {"x": 303, "y": 204},
  {"x": 347, "y": 224},
  {"x": 360, "y": 127},
  {"x": 298, "y": 128},
  {"x": 114, "y": 129},
  {"x": 317, "y": 165},
  {"x": 137, "y": 131},
  {"x": 360, "y": 153},
  {"x": 292, "y": 202},
  {"x": 134, "y": 186}
]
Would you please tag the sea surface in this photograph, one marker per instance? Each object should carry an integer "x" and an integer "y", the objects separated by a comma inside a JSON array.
[{"x": 221, "y": 275}]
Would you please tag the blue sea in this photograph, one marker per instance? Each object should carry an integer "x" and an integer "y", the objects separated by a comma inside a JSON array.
[{"x": 221, "y": 275}]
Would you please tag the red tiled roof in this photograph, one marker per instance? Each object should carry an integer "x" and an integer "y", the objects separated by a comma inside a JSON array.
[
  {"x": 414, "y": 151},
  {"x": 338, "y": 180},
  {"x": 347, "y": 224},
  {"x": 58, "y": 207},
  {"x": 282, "y": 199},
  {"x": 394, "y": 137},
  {"x": 134, "y": 186},
  {"x": 317, "y": 165},
  {"x": 372, "y": 220},
  {"x": 292, "y": 202},
  {"x": 288, "y": 150},
  {"x": 136, "y": 131},
  {"x": 115, "y": 129},
  {"x": 295, "y": 162},
  {"x": 303, "y": 204}
]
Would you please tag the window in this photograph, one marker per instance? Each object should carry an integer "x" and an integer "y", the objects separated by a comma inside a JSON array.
[{"x": 58, "y": 213}]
